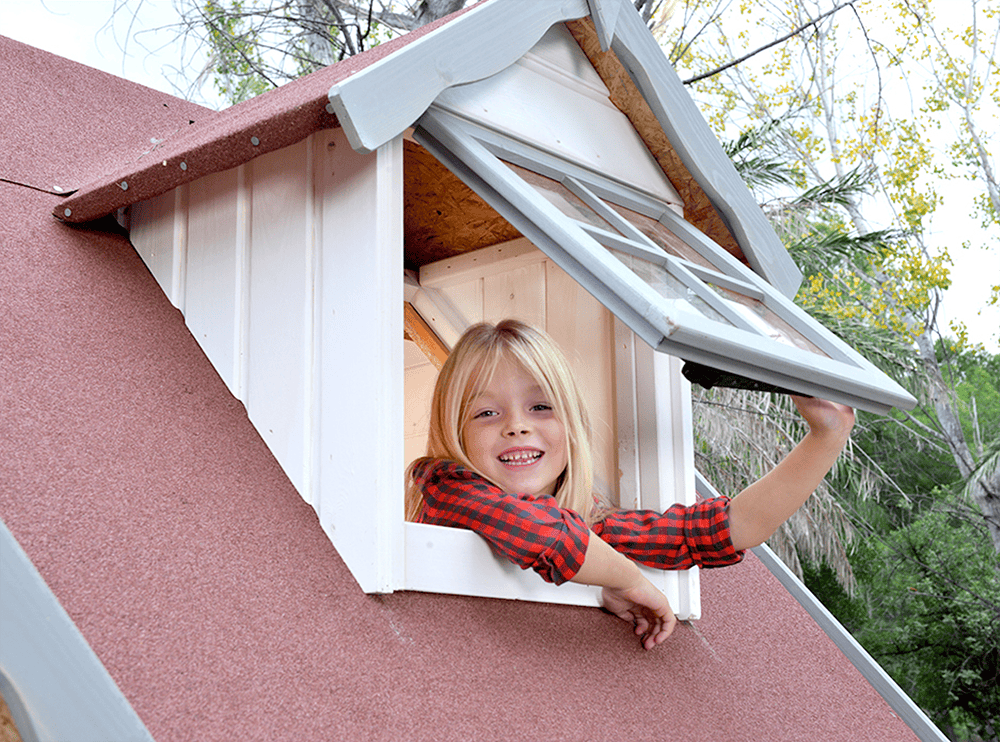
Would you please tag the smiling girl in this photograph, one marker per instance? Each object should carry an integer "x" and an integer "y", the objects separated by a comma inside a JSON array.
[{"x": 508, "y": 456}]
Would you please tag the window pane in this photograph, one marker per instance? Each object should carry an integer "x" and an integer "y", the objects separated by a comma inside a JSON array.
[
  {"x": 765, "y": 320},
  {"x": 659, "y": 278},
  {"x": 663, "y": 237},
  {"x": 562, "y": 198}
]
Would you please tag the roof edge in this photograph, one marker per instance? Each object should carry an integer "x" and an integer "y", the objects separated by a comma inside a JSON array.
[
  {"x": 276, "y": 119},
  {"x": 382, "y": 101}
]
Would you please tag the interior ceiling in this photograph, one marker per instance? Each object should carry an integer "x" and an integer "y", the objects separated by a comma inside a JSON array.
[{"x": 442, "y": 217}]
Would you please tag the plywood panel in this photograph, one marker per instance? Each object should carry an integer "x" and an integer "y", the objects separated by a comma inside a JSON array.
[
  {"x": 212, "y": 297},
  {"x": 277, "y": 324}
]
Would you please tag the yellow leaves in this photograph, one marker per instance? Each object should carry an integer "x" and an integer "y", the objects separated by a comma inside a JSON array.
[{"x": 897, "y": 286}]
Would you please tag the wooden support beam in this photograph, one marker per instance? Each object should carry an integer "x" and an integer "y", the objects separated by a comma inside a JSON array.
[{"x": 426, "y": 339}]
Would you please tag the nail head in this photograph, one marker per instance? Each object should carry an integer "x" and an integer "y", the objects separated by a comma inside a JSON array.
[
  {"x": 254, "y": 141},
  {"x": 124, "y": 185}
]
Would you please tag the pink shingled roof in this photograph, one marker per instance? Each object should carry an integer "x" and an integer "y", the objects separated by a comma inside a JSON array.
[
  {"x": 140, "y": 490},
  {"x": 271, "y": 121}
]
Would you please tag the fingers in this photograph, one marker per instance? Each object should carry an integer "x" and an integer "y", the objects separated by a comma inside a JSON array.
[{"x": 659, "y": 632}]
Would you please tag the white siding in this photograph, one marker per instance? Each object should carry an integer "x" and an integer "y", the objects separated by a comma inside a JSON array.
[{"x": 289, "y": 273}]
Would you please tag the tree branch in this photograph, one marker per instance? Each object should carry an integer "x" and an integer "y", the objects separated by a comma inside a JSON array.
[{"x": 757, "y": 51}]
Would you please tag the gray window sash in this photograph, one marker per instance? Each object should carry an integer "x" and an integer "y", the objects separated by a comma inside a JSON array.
[{"x": 670, "y": 325}]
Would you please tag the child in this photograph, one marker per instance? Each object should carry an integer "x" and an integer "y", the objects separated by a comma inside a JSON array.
[{"x": 508, "y": 456}]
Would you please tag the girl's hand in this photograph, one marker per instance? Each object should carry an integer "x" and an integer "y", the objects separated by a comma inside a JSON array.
[
  {"x": 825, "y": 418},
  {"x": 646, "y": 607}
]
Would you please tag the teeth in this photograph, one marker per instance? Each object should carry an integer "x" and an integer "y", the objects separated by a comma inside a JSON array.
[{"x": 521, "y": 457}]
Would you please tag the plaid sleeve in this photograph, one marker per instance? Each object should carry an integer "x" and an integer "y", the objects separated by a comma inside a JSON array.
[
  {"x": 528, "y": 531},
  {"x": 682, "y": 537}
]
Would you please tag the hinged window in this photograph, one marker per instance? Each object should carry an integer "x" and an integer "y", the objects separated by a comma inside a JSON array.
[{"x": 673, "y": 286}]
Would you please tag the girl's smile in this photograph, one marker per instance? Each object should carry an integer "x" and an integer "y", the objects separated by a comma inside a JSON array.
[{"x": 513, "y": 436}]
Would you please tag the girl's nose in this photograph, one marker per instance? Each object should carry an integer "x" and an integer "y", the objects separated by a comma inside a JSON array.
[{"x": 515, "y": 425}]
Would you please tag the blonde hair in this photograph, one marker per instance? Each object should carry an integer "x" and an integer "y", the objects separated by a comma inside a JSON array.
[{"x": 470, "y": 367}]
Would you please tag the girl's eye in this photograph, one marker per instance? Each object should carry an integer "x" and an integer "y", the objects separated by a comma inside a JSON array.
[
  {"x": 541, "y": 408},
  {"x": 484, "y": 413}
]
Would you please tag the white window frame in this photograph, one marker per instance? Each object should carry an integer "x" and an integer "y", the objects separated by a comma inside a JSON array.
[{"x": 673, "y": 326}]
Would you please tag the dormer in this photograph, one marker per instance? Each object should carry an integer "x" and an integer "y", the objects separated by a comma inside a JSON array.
[{"x": 535, "y": 160}]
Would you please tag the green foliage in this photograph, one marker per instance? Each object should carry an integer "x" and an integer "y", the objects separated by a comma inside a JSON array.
[
  {"x": 256, "y": 45},
  {"x": 237, "y": 51},
  {"x": 933, "y": 614}
]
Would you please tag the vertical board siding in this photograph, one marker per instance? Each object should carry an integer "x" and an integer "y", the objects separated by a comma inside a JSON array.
[
  {"x": 289, "y": 270},
  {"x": 361, "y": 362},
  {"x": 152, "y": 233},
  {"x": 276, "y": 396},
  {"x": 212, "y": 303}
]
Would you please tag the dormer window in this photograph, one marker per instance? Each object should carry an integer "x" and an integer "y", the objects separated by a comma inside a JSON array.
[{"x": 527, "y": 194}]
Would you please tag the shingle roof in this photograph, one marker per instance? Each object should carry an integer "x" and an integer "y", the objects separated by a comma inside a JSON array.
[
  {"x": 142, "y": 493},
  {"x": 213, "y": 142}
]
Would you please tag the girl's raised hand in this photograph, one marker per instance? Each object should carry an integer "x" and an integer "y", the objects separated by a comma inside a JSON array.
[
  {"x": 825, "y": 418},
  {"x": 645, "y": 607}
]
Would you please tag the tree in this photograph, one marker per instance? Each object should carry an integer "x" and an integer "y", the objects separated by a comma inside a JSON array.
[
  {"x": 246, "y": 47},
  {"x": 834, "y": 128}
]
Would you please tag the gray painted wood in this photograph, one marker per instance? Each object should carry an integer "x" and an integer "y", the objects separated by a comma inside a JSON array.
[
  {"x": 701, "y": 152},
  {"x": 605, "y": 15},
  {"x": 886, "y": 687},
  {"x": 670, "y": 325},
  {"x": 380, "y": 102},
  {"x": 58, "y": 680}
]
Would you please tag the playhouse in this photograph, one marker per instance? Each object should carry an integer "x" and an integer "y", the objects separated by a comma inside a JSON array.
[{"x": 222, "y": 331}]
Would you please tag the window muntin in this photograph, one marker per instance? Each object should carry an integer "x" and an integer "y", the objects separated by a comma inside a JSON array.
[{"x": 762, "y": 334}]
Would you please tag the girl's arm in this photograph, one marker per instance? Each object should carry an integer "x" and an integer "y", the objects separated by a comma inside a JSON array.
[
  {"x": 756, "y": 512},
  {"x": 627, "y": 593}
]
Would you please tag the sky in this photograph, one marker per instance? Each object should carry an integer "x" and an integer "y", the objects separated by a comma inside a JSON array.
[{"x": 136, "y": 43}]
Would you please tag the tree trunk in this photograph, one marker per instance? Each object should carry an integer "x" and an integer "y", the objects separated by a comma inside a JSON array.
[{"x": 986, "y": 493}]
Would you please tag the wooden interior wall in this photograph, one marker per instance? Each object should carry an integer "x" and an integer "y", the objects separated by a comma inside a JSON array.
[{"x": 529, "y": 287}]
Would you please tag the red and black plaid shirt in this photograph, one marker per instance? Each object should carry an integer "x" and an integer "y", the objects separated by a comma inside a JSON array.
[{"x": 535, "y": 532}]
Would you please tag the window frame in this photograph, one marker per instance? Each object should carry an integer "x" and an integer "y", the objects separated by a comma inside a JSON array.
[
  {"x": 473, "y": 153},
  {"x": 656, "y": 455}
]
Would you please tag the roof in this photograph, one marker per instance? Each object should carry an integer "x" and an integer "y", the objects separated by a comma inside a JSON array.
[
  {"x": 354, "y": 94},
  {"x": 150, "y": 506}
]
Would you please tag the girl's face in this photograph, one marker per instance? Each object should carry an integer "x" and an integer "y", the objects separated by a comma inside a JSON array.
[{"x": 513, "y": 436}]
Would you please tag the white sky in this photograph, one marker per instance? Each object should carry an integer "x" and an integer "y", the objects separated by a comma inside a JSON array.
[{"x": 83, "y": 30}]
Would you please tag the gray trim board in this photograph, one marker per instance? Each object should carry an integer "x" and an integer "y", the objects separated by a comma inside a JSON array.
[
  {"x": 56, "y": 678},
  {"x": 381, "y": 101},
  {"x": 871, "y": 670},
  {"x": 701, "y": 153}
]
